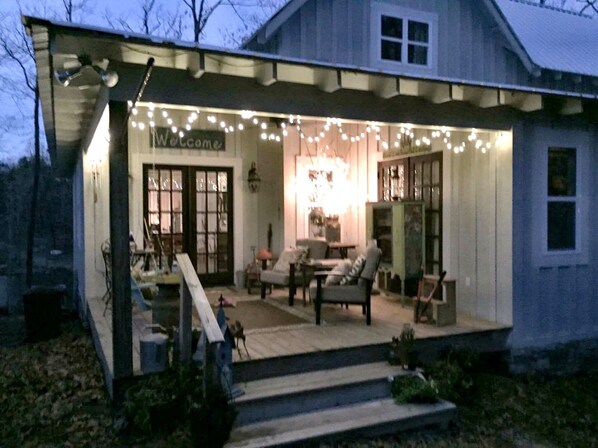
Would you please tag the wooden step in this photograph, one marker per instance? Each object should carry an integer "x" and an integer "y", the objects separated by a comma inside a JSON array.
[
  {"x": 371, "y": 418},
  {"x": 305, "y": 392}
]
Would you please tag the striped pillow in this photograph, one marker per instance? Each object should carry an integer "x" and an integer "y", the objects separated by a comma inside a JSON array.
[{"x": 353, "y": 274}]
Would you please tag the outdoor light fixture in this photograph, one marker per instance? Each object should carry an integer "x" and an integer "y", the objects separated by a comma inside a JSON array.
[
  {"x": 86, "y": 75},
  {"x": 253, "y": 179}
]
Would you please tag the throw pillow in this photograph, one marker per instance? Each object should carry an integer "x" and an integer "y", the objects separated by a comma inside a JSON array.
[
  {"x": 338, "y": 272},
  {"x": 303, "y": 254},
  {"x": 353, "y": 274},
  {"x": 290, "y": 255}
]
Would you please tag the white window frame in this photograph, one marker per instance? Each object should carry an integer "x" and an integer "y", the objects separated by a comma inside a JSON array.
[
  {"x": 545, "y": 139},
  {"x": 406, "y": 14}
]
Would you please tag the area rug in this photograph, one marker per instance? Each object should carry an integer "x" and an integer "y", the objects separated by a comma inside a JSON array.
[{"x": 254, "y": 314}]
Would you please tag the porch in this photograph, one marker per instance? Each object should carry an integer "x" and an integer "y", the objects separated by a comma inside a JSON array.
[{"x": 283, "y": 340}]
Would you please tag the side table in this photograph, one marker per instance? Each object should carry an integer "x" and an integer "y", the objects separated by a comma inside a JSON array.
[{"x": 252, "y": 278}]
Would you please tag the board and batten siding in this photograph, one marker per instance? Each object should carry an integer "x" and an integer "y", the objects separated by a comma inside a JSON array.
[
  {"x": 477, "y": 235},
  {"x": 470, "y": 44},
  {"x": 553, "y": 304}
]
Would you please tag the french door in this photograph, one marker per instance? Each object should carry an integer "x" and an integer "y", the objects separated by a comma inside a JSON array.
[
  {"x": 189, "y": 209},
  {"x": 418, "y": 178},
  {"x": 425, "y": 184}
]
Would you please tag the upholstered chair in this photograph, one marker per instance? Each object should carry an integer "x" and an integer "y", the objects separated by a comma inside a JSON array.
[{"x": 353, "y": 288}]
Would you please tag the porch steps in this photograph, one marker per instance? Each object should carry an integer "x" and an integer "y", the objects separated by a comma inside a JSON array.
[{"x": 305, "y": 407}]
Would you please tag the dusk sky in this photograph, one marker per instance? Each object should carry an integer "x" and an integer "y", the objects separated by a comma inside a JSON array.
[{"x": 16, "y": 116}]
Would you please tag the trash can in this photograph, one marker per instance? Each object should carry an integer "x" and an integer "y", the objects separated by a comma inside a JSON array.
[{"x": 42, "y": 307}]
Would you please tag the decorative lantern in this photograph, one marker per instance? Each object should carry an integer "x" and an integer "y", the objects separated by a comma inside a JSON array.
[{"x": 253, "y": 179}]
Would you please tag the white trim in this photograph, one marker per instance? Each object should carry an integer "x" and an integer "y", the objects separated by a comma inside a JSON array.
[
  {"x": 380, "y": 9},
  {"x": 546, "y": 138}
]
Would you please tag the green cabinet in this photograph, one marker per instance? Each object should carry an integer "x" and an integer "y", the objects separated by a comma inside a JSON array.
[{"x": 398, "y": 228}]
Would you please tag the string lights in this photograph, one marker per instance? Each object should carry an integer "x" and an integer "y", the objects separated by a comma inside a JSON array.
[{"x": 399, "y": 139}]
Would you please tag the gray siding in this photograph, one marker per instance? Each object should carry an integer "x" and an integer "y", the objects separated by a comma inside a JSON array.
[
  {"x": 550, "y": 304},
  {"x": 470, "y": 46}
]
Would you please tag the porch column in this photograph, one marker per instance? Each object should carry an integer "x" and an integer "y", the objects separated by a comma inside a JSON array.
[{"x": 122, "y": 336}]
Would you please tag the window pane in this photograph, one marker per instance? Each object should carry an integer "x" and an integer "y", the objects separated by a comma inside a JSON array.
[
  {"x": 562, "y": 171},
  {"x": 177, "y": 180},
  {"x": 391, "y": 50},
  {"x": 165, "y": 179},
  {"x": 392, "y": 27},
  {"x": 152, "y": 179},
  {"x": 418, "y": 31},
  {"x": 561, "y": 225},
  {"x": 417, "y": 54}
]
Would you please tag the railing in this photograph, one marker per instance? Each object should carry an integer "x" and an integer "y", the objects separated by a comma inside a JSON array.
[{"x": 192, "y": 293}]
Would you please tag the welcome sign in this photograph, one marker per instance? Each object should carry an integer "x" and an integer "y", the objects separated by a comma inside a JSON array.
[{"x": 194, "y": 139}]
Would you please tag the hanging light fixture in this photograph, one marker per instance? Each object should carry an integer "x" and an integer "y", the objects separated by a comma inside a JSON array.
[
  {"x": 253, "y": 179},
  {"x": 86, "y": 74}
]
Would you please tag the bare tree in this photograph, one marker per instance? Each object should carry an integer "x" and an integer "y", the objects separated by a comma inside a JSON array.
[
  {"x": 151, "y": 18},
  {"x": 251, "y": 20},
  {"x": 73, "y": 9},
  {"x": 588, "y": 6},
  {"x": 16, "y": 50},
  {"x": 202, "y": 10}
]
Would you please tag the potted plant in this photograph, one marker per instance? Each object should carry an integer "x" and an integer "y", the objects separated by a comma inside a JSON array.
[{"x": 401, "y": 349}]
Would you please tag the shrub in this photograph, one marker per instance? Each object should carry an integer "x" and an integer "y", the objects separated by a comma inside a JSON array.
[{"x": 413, "y": 389}]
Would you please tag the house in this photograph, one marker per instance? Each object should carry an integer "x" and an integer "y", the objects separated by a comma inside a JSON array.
[{"x": 484, "y": 110}]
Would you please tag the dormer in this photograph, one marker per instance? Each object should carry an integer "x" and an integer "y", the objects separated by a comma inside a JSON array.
[{"x": 403, "y": 40}]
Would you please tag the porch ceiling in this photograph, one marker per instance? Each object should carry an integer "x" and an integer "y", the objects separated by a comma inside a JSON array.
[{"x": 193, "y": 75}]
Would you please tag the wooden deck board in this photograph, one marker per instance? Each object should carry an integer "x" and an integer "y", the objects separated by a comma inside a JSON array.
[{"x": 341, "y": 327}]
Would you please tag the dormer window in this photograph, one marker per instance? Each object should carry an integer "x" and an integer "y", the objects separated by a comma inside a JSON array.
[{"x": 403, "y": 38}]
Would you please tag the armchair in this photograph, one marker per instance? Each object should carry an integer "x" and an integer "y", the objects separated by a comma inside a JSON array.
[
  {"x": 284, "y": 272},
  {"x": 357, "y": 290}
]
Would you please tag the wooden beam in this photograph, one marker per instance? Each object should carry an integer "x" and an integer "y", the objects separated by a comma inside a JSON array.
[
  {"x": 98, "y": 111},
  {"x": 328, "y": 80},
  {"x": 384, "y": 86},
  {"x": 202, "y": 305},
  {"x": 185, "y": 328},
  {"x": 526, "y": 102},
  {"x": 197, "y": 65},
  {"x": 266, "y": 73},
  {"x": 118, "y": 166},
  {"x": 408, "y": 87},
  {"x": 571, "y": 106}
]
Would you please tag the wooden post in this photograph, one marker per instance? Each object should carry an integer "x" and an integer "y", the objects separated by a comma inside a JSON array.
[
  {"x": 210, "y": 367},
  {"x": 185, "y": 310},
  {"x": 122, "y": 335}
]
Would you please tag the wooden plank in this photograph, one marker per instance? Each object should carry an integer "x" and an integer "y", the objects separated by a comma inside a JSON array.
[
  {"x": 122, "y": 339},
  {"x": 202, "y": 305},
  {"x": 185, "y": 323}
]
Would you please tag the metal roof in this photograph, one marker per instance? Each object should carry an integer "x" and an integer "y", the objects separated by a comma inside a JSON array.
[{"x": 554, "y": 39}]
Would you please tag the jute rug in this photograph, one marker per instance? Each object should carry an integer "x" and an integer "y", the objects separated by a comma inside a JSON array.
[{"x": 254, "y": 314}]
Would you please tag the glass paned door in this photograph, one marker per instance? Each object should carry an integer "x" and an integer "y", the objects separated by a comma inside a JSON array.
[
  {"x": 425, "y": 175},
  {"x": 189, "y": 209},
  {"x": 213, "y": 224}
]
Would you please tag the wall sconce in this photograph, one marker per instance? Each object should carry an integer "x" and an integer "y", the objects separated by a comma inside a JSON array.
[{"x": 253, "y": 179}]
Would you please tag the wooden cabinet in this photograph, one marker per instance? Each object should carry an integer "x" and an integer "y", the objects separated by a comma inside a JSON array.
[{"x": 398, "y": 228}]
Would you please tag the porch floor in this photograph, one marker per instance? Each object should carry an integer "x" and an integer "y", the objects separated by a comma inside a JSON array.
[{"x": 341, "y": 328}]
